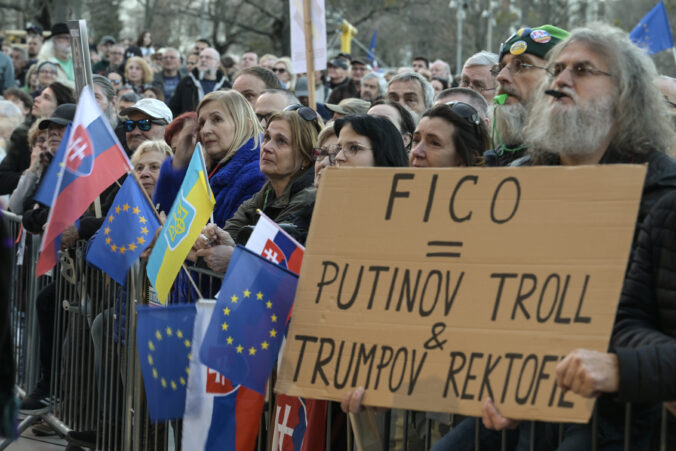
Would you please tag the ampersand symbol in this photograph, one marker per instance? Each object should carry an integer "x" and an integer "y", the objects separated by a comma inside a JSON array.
[{"x": 433, "y": 342}]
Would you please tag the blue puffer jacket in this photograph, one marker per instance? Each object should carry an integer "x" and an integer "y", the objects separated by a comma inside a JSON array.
[
  {"x": 238, "y": 180},
  {"x": 233, "y": 183}
]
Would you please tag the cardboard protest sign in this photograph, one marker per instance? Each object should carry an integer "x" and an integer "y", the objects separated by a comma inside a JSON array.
[{"x": 435, "y": 289}]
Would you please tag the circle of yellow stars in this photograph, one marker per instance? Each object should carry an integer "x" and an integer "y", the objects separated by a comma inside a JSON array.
[
  {"x": 115, "y": 247},
  {"x": 169, "y": 333},
  {"x": 234, "y": 299}
]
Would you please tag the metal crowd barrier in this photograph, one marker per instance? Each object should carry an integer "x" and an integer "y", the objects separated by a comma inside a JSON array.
[{"x": 96, "y": 383}]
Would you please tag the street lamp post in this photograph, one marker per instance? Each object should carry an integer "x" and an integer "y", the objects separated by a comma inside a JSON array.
[{"x": 460, "y": 5}]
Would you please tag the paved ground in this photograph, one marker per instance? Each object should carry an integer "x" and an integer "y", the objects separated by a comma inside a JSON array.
[{"x": 30, "y": 442}]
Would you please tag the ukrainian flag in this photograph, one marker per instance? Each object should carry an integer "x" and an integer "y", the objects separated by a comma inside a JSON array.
[{"x": 187, "y": 217}]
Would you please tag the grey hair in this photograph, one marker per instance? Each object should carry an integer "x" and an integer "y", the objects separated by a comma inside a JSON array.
[
  {"x": 641, "y": 119},
  {"x": 129, "y": 97},
  {"x": 21, "y": 50},
  {"x": 428, "y": 90},
  {"x": 290, "y": 98},
  {"x": 473, "y": 98},
  {"x": 109, "y": 91},
  {"x": 483, "y": 58},
  {"x": 382, "y": 86},
  {"x": 10, "y": 118}
]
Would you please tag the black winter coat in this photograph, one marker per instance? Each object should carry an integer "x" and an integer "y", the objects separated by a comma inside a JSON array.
[{"x": 644, "y": 336}]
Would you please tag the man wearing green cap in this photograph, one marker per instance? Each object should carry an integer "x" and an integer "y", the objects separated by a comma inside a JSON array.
[{"x": 520, "y": 70}]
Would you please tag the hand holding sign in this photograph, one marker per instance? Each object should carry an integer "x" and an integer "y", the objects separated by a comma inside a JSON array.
[{"x": 589, "y": 373}]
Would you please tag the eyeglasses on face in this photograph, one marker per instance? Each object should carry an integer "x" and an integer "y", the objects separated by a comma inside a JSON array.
[
  {"x": 143, "y": 124},
  {"x": 515, "y": 66},
  {"x": 351, "y": 149},
  {"x": 320, "y": 153},
  {"x": 278, "y": 70},
  {"x": 475, "y": 85},
  {"x": 47, "y": 72},
  {"x": 577, "y": 70}
]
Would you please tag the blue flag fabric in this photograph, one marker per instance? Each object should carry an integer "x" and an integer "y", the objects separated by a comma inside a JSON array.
[
  {"x": 45, "y": 192},
  {"x": 653, "y": 32},
  {"x": 372, "y": 49},
  {"x": 163, "y": 338},
  {"x": 249, "y": 320},
  {"x": 127, "y": 231}
]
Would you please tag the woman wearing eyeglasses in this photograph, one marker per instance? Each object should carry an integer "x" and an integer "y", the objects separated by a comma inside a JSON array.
[
  {"x": 287, "y": 197},
  {"x": 284, "y": 72},
  {"x": 449, "y": 135},
  {"x": 368, "y": 141}
]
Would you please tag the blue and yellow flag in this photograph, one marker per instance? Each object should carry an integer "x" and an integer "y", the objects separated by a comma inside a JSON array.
[
  {"x": 128, "y": 229},
  {"x": 187, "y": 217},
  {"x": 249, "y": 320},
  {"x": 164, "y": 340}
]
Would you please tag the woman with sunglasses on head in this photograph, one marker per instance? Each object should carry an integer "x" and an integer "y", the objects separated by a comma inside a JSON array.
[
  {"x": 287, "y": 197},
  {"x": 368, "y": 141},
  {"x": 403, "y": 119},
  {"x": 449, "y": 135}
]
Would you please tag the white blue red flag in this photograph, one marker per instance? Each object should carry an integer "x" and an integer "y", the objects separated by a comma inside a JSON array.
[
  {"x": 300, "y": 424},
  {"x": 94, "y": 159},
  {"x": 274, "y": 244},
  {"x": 217, "y": 415}
]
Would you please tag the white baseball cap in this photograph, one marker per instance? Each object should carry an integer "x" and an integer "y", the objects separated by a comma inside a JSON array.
[{"x": 154, "y": 108}]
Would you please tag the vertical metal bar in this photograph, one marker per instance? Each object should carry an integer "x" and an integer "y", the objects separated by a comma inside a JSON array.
[
  {"x": 386, "y": 430},
  {"x": 329, "y": 424},
  {"x": 406, "y": 423},
  {"x": 663, "y": 428},
  {"x": 627, "y": 427},
  {"x": 349, "y": 434},
  {"x": 428, "y": 433},
  {"x": 594, "y": 429},
  {"x": 503, "y": 440},
  {"x": 532, "y": 436}
]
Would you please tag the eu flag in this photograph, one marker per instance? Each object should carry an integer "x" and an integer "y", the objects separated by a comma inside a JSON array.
[
  {"x": 653, "y": 32},
  {"x": 163, "y": 338},
  {"x": 127, "y": 231},
  {"x": 249, "y": 320}
]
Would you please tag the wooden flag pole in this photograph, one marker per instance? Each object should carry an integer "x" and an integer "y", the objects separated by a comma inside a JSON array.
[{"x": 309, "y": 54}]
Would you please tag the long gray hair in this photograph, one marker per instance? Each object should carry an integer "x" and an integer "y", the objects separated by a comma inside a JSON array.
[{"x": 641, "y": 119}]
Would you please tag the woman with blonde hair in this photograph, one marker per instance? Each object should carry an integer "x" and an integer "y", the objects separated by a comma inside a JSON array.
[
  {"x": 284, "y": 71},
  {"x": 147, "y": 160},
  {"x": 138, "y": 73},
  {"x": 231, "y": 137}
]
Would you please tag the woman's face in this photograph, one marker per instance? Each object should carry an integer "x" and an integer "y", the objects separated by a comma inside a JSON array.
[
  {"x": 149, "y": 94},
  {"x": 217, "y": 130},
  {"x": 46, "y": 75},
  {"x": 278, "y": 158},
  {"x": 280, "y": 70},
  {"x": 147, "y": 169},
  {"x": 116, "y": 80},
  {"x": 328, "y": 145},
  {"x": 432, "y": 144},
  {"x": 147, "y": 39},
  {"x": 355, "y": 149},
  {"x": 438, "y": 87},
  {"x": 134, "y": 73},
  {"x": 41, "y": 141},
  {"x": 44, "y": 104}
]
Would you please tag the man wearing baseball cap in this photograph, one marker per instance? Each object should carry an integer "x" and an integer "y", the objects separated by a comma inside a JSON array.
[
  {"x": 349, "y": 106},
  {"x": 146, "y": 120},
  {"x": 520, "y": 70},
  {"x": 342, "y": 86}
]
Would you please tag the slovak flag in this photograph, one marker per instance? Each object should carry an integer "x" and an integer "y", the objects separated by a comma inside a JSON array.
[
  {"x": 274, "y": 244},
  {"x": 300, "y": 424},
  {"x": 93, "y": 160},
  {"x": 217, "y": 415}
]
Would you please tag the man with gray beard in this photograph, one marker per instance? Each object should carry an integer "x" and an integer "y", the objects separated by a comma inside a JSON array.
[
  {"x": 519, "y": 72},
  {"x": 600, "y": 106}
]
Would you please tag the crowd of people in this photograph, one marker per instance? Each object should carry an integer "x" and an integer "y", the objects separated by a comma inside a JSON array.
[{"x": 548, "y": 97}]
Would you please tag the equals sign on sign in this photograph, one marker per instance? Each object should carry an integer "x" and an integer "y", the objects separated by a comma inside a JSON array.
[{"x": 444, "y": 248}]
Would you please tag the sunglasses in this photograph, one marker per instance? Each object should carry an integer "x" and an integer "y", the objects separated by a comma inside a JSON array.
[
  {"x": 116, "y": 82},
  {"x": 465, "y": 111},
  {"x": 278, "y": 70},
  {"x": 305, "y": 112},
  {"x": 143, "y": 124}
]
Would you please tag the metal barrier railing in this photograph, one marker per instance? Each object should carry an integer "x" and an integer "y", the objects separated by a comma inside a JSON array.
[{"x": 96, "y": 389}]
